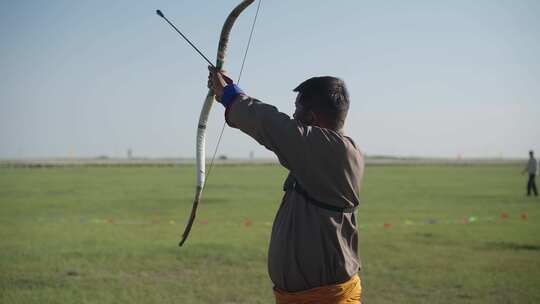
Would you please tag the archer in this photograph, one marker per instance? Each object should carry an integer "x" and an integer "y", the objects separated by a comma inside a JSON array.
[{"x": 313, "y": 253}]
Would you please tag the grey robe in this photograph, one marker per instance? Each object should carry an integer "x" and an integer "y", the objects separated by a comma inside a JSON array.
[{"x": 310, "y": 246}]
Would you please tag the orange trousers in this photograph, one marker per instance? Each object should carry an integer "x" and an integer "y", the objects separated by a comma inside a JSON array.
[{"x": 343, "y": 293}]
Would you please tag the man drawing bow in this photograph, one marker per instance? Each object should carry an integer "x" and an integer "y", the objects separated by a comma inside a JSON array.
[{"x": 313, "y": 253}]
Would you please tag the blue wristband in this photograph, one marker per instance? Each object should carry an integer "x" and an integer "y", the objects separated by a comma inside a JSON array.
[{"x": 229, "y": 94}]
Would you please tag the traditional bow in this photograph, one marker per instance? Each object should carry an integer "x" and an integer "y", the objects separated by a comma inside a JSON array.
[{"x": 205, "y": 111}]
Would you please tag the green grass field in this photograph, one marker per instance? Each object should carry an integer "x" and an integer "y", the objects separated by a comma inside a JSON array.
[{"x": 109, "y": 235}]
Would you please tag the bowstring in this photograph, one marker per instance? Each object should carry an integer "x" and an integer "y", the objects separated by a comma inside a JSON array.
[{"x": 237, "y": 82}]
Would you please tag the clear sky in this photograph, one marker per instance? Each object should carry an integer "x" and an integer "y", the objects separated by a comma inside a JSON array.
[{"x": 426, "y": 78}]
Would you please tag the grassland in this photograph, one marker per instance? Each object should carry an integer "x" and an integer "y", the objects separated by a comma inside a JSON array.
[{"x": 109, "y": 235}]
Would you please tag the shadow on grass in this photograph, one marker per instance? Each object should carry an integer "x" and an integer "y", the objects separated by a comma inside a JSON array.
[
  {"x": 34, "y": 283},
  {"x": 513, "y": 246}
]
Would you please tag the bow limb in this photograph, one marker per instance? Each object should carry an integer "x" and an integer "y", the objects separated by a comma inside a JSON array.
[{"x": 205, "y": 111}]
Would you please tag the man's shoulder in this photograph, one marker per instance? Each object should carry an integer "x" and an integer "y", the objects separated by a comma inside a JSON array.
[{"x": 339, "y": 141}]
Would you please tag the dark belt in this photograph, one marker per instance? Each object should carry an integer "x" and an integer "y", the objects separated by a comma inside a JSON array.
[{"x": 296, "y": 187}]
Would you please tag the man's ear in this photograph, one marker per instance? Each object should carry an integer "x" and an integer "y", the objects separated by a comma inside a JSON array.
[{"x": 313, "y": 118}]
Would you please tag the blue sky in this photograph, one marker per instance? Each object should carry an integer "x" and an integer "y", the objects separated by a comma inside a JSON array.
[{"x": 426, "y": 78}]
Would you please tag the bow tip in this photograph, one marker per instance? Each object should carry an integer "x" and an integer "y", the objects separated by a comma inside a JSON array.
[
  {"x": 160, "y": 13},
  {"x": 182, "y": 242}
]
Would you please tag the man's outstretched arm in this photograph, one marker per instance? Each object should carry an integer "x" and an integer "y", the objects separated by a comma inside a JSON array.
[{"x": 263, "y": 122}]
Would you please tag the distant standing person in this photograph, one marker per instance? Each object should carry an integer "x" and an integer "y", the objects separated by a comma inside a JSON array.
[{"x": 532, "y": 169}]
